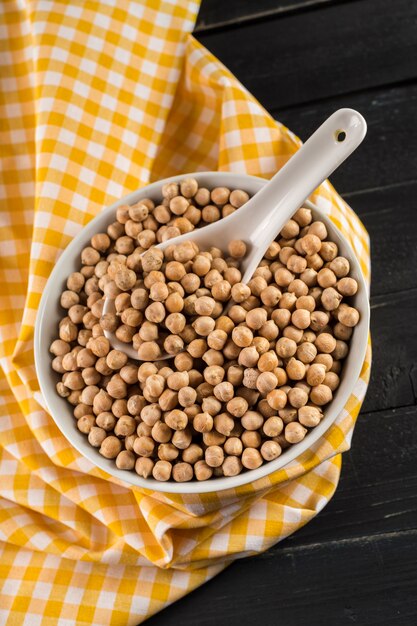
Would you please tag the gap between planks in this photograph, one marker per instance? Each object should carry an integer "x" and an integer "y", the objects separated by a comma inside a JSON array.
[
  {"x": 383, "y": 300},
  {"x": 395, "y": 84},
  {"x": 363, "y": 539},
  {"x": 260, "y": 16}
]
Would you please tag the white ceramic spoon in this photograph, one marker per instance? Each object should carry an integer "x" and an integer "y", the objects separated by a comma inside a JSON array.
[{"x": 259, "y": 221}]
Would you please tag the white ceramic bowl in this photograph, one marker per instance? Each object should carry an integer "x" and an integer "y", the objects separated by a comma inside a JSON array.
[{"x": 50, "y": 313}]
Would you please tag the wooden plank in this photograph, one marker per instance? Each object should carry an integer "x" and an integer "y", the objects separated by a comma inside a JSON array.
[
  {"x": 366, "y": 581},
  {"x": 313, "y": 55},
  {"x": 394, "y": 337},
  {"x": 393, "y": 249},
  {"x": 388, "y": 154},
  {"x": 220, "y": 14}
]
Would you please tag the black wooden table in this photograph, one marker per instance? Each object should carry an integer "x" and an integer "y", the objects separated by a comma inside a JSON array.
[{"x": 356, "y": 563}]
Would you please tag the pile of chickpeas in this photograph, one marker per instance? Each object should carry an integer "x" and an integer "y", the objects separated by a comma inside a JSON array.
[{"x": 252, "y": 365}]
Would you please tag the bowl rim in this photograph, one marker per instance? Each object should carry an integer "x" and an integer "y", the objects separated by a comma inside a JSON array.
[{"x": 53, "y": 402}]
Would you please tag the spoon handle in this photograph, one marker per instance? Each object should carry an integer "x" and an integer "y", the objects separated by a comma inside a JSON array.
[{"x": 263, "y": 217}]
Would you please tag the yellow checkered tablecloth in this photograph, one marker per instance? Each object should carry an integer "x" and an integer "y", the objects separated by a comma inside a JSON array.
[{"x": 97, "y": 99}]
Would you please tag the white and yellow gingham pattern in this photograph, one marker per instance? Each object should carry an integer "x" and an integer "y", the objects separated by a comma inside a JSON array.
[{"x": 97, "y": 99}]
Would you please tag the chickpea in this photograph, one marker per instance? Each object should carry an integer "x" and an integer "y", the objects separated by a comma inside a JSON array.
[
  {"x": 251, "y": 439},
  {"x": 237, "y": 249},
  {"x": 296, "y": 264},
  {"x": 273, "y": 426},
  {"x": 326, "y": 278},
  {"x": 115, "y": 230},
  {"x": 316, "y": 374},
  {"x": 125, "y": 460},
  {"x": 125, "y": 426},
  {"x": 242, "y": 336},
  {"x": 162, "y": 470},
  {"x": 59, "y": 347},
  {"x": 321, "y": 395},
  {"x": 161, "y": 432},
  {"x": 168, "y": 400},
  {"x": 306, "y": 352},
  {"x": 277, "y": 399},
  {"x": 233, "y": 446},
  {"x": 224, "y": 391},
  {"x": 176, "y": 419},
  {"x": 347, "y": 286},
  {"x": 152, "y": 260},
  {"x": 266, "y": 382},
  {"x": 182, "y": 472},
  {"x": 270, "y": 450},
  {"x": 270, "y": 295},
  {"x": 116, "y": 359},
  {"x": 256, "y": 318},
  {"x": 144, "y": 446},
  {"x": 224, "y": 424},
  {"x": 281, "y": 317},
  {"x": 252, "y": 420},
  {"x": 221, "y": 290},
  {"x": 181, "y": 439},
  {"x": 192, "y": 454},
  {"x": 267, "y": 362},
  {"x": 348, "y": 316},
  {"x": 187, "y": 396},
  {"x": 86, "y": 423},
  {"x": 202, "y": 471},
  {"x": 100, "y": 346},
  {"x": 330, "y": 299},
  {"x": 324, "y": 359},
  {"x": 177, "y": 380},
  {"x": 295, "y": 369},
  {"x": 211, "y": 405},
  {"x": 102, "y": 401},
  {"x": 297, "y": 397},
  {"x": 251, "y": 458},
  {"x": 96, "y": 436},
  {"x": 106, "y": 421},
  {"x": 288, "y": 301},
  {"x": 116, "y": 388},
  {"x": 340, "y": 266},
  {"x": 240, "y": 292},
  {"x": 204, "y": 325},
  {"x": 311, "y": 243},
  {"x": 301, "y": 318},
  {"x": 149, "y": 351},
  {"x": 285, "y": 347},
  {"x": 75, "y": 282},
  {"x": 238, "y": 197},
  {"x": 237, "y": 406},
  {"x": 68, "y": 331},
  {"x": 167, "y": 452},
  {"x": 144, "y": 467},
  {"x": 294, "y": 432},
  {"x": 309, "y": 416},
  {"x": 214, "y": 456},
  {"x": 110, "y": 447},
  {"x": 332, "y": 380},
  {"x": 342, "y": 332},
  {"x": 325, "y": 342}
]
